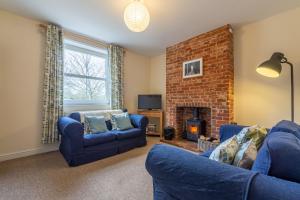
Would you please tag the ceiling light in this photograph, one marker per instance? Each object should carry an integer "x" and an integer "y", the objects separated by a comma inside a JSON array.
[{"x": 136, "y": 16}]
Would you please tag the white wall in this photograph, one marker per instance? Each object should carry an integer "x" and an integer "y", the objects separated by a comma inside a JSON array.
[
  {"x": 21, "y": 74},
  {"x": 157, "y": 82},
  {"x": 260, "y": 99},
  {"x": 22, "y": 48},
  {"x": 136, "y": 79}
]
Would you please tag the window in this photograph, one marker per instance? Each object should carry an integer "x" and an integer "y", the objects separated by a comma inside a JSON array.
[{"x": 86, "y": 76}]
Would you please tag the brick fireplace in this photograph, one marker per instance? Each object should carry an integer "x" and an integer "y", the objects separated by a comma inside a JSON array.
[
  {"x": 184, "y": 113},
  {"x": 212, "y": 93}
]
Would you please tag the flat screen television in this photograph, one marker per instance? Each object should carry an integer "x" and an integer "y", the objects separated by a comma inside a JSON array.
[{"x": 149, "y": 102}]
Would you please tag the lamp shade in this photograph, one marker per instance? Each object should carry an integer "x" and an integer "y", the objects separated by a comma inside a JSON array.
[
  {"x": 136, "y": 16},
  {"x": 272, "y": 67}
]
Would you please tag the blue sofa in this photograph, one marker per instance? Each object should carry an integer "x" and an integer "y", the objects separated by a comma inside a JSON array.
[
  {"x": 79, "y": 148},
  {"x": 275, "y": 175}
]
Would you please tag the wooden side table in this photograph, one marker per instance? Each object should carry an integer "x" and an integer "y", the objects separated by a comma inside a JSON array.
[{"x": 155, "y": 114}]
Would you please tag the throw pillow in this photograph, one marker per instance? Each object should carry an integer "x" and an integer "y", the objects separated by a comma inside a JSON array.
[
  {"x": 121, "y": 121},
  {"x": 255, "y": 133},
  {"x": 95, "y": 124},
  {"x": 246, "y": 155},
  {"x": 226, "y": 151}
]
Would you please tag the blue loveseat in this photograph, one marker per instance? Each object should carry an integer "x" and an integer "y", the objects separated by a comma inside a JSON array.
[
  {"x": 275, "y": 175},
  {"x": 79, "y": 148}
]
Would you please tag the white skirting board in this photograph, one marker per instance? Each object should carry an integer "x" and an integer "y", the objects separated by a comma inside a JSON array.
[{"x": 29, "y": 152}]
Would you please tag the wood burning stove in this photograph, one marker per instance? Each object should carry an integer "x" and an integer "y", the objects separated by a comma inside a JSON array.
[{"x": 195, "y": 126}]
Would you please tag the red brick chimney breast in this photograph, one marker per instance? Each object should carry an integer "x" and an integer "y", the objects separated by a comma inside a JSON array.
[{"x": 213, "y": 91}]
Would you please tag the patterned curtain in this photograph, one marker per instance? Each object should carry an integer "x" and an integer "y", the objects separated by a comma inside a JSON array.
[
  {"x": 116, "y": 63},
  {"x": 53, "y": 84}
]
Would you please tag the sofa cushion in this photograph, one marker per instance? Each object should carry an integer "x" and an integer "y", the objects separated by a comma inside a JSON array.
[
  {"x": 287, "y": 126},
  {"x": 129, "y": 133},
  {"x": 226, "y": 151},
  {"x": 284, "y": 151},
  {"x": 246, "y": 155},
  {"x": 255, "y": 133},
  {"x": 100, "y": 138},
  {"x": 121, "y": 121},
  {"x": 95, "y": 124},
  {"x": 280, "y": 157}
]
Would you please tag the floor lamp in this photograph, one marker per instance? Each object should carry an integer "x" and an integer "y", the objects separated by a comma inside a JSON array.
[{"x": 272, "y": 68}]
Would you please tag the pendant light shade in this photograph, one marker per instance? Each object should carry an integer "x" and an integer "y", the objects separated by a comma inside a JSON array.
[{"x": 136, "y": 16}]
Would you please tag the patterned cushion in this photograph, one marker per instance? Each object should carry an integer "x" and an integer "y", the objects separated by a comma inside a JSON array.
[
  {"x": 226, "y": 151},
  {"x": 246, "y": 155},
  {"x": 121, "y": 121},
  {"x": 95, "y": 124},
  {"x": 255, "y": 133}
]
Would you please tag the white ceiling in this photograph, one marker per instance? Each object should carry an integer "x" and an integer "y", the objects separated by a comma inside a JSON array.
[{"x": 172, "y": 21}]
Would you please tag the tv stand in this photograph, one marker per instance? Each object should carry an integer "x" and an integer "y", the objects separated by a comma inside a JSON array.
[{"x": 155, "y": 114}]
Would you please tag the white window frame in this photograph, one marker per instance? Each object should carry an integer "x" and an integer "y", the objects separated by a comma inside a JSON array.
[{"x": 95, "y": 51}]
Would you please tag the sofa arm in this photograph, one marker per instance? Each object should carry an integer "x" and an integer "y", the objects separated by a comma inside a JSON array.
[
  {"x": 139, "y": 121},
  {"x": 178, "y": 174},
  {"x": 229, "y": 130},
  {"x": 75, "y": 116},
  {"x": 266, "y": 187},
  {"x": 71, "y": 130}
]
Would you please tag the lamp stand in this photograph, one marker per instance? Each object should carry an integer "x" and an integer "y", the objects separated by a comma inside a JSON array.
[
  {"x": 292, "y": 88},
  {"x": 272, "y": 68}
]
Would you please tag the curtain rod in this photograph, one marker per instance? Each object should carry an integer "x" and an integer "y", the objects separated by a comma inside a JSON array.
[
  {"x": 44, "y": 26},
  {"x": 72, "y": 33}
]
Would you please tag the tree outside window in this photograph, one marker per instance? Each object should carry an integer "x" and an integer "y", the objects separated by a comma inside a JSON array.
[{"x": 85, "y": 76}]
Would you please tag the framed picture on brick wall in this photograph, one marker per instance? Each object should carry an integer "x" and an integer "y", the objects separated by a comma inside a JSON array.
[{"x": 192, "y": 68}]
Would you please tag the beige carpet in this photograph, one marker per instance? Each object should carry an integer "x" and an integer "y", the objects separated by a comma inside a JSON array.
[{"x": 47, "y": 176}]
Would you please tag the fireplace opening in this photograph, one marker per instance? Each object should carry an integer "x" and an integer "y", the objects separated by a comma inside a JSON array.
[{"x": 195, "y": 127}]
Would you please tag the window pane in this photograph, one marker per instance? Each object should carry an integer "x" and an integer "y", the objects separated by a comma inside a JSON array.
[
  {"x": 84, "y": 89},
  {"x": 84, "y": 64}
]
